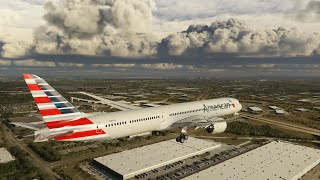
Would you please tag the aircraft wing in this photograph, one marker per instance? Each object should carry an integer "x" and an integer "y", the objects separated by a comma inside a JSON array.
[
  {"x": 200, "y": 121},
  {"x": 114, "y": 104}
]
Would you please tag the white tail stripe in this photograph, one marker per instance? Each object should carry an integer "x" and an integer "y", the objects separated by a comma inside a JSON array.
[
  {"x": 67, "y": 108},
  {"x": 30, "y": 81},
  {"x": 52, "y": 106},
  {"x": 54, "y": 96},
  {"x": 38, "y": 94},
  {"x": 46, "y": 106},
  {"x": 70, "y": 116},
  {"x": 49, "y": 90},
  {"x": 52, "y": 103}
]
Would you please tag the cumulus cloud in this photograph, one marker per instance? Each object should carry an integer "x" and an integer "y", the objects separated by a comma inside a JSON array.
[
  {"x": 123, "y": 28},
  {"x": 34, "y": 63},
  {"x": 70, "y": 64},
  {"x": 156, "y": 66},
  {"x": 163, "y": 66},
  {"x": 236, "y": 37},
  {"x": 5, "y": 62},
  {"x": 193, "y": 9},
  {"x": 116, "y": 28},
  {"x": 15, "y": 49},
  {"x": 114, "y": 65},
  {"x": 310, "y": 13}
]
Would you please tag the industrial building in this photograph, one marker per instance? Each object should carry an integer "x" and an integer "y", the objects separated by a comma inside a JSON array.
[
  {"x": 302, "y": 110},
  {"x": 255, "y": 109},
  {"x": 127, "y": 164},
  {"x": 5, "y": 156},
  {"x": 274, "y": 107},
  {"x": 280, "y": 111},
  {"x": 276, "y": 160}
]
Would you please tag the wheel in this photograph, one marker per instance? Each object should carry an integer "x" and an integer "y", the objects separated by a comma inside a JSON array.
[
  {"x": 186, "y": 137},
  {"x": 182, "y": 140},
  {"x": 178, "y": 139}
]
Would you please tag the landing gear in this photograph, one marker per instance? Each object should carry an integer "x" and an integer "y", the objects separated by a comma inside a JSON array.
[
  {"x": 210, "y": 129},
  {"x": 156, "y": 133},
  {"x": 183, "y": 135},
  {"x": 182, "y": 138}
]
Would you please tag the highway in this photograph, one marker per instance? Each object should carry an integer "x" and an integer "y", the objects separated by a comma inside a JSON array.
[
  {"x": 34, "y": 158},
  {"x": 283, "y": 125}
]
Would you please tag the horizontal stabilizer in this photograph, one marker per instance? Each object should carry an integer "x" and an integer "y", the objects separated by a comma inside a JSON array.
[
  {"x": 42, "y": 137},
  {"x": 33, "y": 126}
]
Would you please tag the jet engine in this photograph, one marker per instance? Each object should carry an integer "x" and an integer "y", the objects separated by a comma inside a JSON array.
[{"x": 216, "y": 128}]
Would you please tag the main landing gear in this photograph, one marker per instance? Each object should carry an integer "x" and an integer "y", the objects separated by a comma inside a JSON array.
[
  {"x": 182, "y": 138},
  {"x": 183, "y": 135}
]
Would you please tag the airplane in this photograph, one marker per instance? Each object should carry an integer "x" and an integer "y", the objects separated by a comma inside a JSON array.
[{"x": 64, "y": 122}]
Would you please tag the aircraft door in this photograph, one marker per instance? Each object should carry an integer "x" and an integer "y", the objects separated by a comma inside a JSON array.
[{"x": 98, "y": 130}]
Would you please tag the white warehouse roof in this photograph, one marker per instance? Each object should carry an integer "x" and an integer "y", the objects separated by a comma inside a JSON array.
[
  {"x": 274, "y": 107},
  {"x": 139, "y": 160},
  {"x": 256, "y": 109},
  {"x": 276, "y": 160},
  {"x": 5, "y": 156},
  {"x": 280, "y": 111}
]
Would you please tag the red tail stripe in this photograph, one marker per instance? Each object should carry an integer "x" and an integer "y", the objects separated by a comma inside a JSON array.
[
  {"x": 48, "y": 112},
  {"x": 27, "y": 76},
  {"x": 59, "y": 124},
  {"x": 40, "y": 100},
  {"x": 34, "y": 87},
  {"x": 80, "y": 134}
]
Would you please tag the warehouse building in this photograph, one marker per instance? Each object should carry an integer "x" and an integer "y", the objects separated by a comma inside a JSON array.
[
  {"x": 280, "y": 111},
  {"x": 274, "y": 107},
  {"x": 276, "y": 160},
  {"x": 255, "y": 109},
  {"x": 5, "y": 156},
  {"x": 127, "y": 164}
]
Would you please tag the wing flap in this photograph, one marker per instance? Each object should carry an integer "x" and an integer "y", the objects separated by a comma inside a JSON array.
[{"x": 195, "y": 121}]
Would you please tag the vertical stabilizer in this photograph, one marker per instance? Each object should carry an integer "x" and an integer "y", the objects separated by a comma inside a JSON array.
[{"x": 52, "y": 106}]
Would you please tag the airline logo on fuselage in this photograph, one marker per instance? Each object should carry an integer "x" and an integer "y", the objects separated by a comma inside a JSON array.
[{"x": 217, "y": 107}]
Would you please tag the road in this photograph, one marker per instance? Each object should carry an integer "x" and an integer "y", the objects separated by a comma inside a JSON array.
[
  {"x": 283, "y": 125},
  {"x": 36, "y": 161},
  {"x": 204, "y": 95}
]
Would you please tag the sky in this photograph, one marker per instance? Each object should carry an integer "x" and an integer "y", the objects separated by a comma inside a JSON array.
[{"x": 160, "y": 38}]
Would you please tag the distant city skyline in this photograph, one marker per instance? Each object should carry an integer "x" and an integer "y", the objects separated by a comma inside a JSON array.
[{"x": 160, "y": 38}]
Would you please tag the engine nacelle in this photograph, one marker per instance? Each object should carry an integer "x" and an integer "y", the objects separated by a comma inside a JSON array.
[{"x": 216, "y": 128}]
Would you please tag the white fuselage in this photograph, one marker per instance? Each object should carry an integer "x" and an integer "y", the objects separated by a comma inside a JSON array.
[{"x": 126, "y": 123}]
